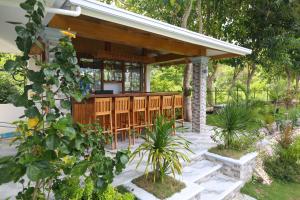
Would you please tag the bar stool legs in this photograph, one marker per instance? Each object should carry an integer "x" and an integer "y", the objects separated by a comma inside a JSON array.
[{"x": 121, "y": 119}]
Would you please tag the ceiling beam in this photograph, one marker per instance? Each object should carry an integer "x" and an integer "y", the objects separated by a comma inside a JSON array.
[{"x": 109, "y": 32}]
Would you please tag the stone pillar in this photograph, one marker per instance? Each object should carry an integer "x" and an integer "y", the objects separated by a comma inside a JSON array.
[{"x": 200, "y": 70}]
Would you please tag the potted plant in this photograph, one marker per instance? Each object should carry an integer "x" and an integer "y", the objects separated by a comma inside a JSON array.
[{"x": 164, "y": 152}]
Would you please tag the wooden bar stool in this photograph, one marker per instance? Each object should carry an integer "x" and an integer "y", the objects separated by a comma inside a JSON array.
[
  {"x": 167, "y": 107},
  {"x": 121, "y": 118},
  {"x": 153, "y": 109},
  {"x": 103, "y": 114},
  {"x": 139, "y": 114},
  {"x": 178, "y": 111}
]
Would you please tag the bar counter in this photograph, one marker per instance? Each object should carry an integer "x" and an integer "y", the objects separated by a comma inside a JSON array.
[
  {"x": 134, "y": 94},
  {"x": 83, "y": 112}
]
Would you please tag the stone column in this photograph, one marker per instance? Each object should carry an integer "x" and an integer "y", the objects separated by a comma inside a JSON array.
[{"x": 200, "y": 70}]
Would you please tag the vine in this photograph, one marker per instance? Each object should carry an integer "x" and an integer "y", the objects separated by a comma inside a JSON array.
[{"x": 51, "y": 147}]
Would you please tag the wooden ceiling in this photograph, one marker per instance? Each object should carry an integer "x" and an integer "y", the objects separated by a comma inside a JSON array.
[{"x": 106, "y": 40}]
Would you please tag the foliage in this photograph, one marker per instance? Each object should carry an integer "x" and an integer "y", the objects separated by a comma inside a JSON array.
[
  {"x": 166, "y": 79},
  {"x": 294, "y": 115},
  {"x": 284, "y": 164},
  {"x": 232, "y": 122},
  {"x": 8, "y": 85},
  {"x": 51, "y": 147},
  {"x": 113, "y": 194},
  {"x": 164, "y": 150},
  {"x": 72, "y": 189}
]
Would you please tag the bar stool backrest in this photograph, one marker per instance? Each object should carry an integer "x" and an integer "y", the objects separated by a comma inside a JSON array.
[
  {"x": 167, "y": 102},
  {"x": 154, "y": 103},
  {"x": 178, "y": 101},
  {"x": 139, "y": 104},
  {"x": 103, "y": 106},
  {"x": 122, "y": 105}
]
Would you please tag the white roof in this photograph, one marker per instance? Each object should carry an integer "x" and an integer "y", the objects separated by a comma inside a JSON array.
[{"x": 113, "y": 14}]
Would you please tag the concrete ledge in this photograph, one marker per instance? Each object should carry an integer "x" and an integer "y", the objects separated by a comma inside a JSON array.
[
  {"x": 191, "y": 191},
  {"x": 241, "y": 169}
]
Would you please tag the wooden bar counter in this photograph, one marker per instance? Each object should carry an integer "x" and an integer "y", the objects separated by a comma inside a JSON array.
[{"x": 83, "y": 112}]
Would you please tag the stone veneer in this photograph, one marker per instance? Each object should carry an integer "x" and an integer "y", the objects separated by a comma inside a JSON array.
[
  {"x": 200, "y": 70},
  {"x": 241, "y": 169}
]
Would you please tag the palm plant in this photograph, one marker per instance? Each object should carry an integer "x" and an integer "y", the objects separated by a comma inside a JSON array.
[
  {"x": 164, "y": 150},
  {"x": 232, "y": 121}
]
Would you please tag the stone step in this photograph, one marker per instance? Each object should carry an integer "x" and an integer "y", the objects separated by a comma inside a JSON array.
[
  {"x": 220, "y": 187},
  {"x": 199, "y": 171}
]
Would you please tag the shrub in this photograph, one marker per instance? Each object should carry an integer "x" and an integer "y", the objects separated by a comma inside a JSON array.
[
  {"x": 112, "y": 194},
  {"x": 284, "y": 164},
  {"x": 232, "y": 122},
  {"x": 71, "y": 189},
  {"x": 164, "y": 150}
]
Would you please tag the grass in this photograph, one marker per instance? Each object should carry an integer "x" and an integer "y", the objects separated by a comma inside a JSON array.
[
  {"x": 161, "y": 190},
  {"x": 276, "y": 191},
  {"x": 231, "y": 153}
]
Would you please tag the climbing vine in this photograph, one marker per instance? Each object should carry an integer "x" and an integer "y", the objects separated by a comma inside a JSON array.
[{"x": 51, "y": 147}]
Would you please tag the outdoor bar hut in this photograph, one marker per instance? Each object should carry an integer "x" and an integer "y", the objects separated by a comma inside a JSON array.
[{"x": 117, "y": 48}]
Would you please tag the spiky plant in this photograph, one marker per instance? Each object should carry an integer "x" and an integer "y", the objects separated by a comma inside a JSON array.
[
  {"x": 165, "y": 151},
  {"x": 232, "y": 121}
]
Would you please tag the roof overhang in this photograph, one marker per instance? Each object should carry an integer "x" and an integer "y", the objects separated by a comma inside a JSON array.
[{"x": 120, "y": 16}]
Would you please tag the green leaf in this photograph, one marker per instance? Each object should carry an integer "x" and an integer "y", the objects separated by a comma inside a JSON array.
[
  {"x": 27, "y": 6},
  {"x": 33, "y": 172},
  {"x": 124, "y": 159},
  {"x": 39, "y": 170},
  {"x": 50, "y": 117},
  {"x": 32, "y": 112},
  {"x": 66, "y": 104},
  {"x": 11, "y": 172},
  {"x": 70, "y": 132},
  {"x": 36, "y": 77},
  {"x": 80, "y": 168},
  {"x": 52, "y": 141},
  {"x": 5, "y": 159},
  {"x": 11, "y": 65}
]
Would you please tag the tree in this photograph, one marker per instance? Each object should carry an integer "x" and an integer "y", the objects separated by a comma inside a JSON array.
[{"x": 255, "y": 25}]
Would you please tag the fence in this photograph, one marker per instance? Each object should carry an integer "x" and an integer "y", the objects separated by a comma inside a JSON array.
[{"x": 220, "y": 96}]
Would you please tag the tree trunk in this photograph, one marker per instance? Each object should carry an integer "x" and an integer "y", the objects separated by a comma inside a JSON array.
[
  {"x": 236, "y": 73},
  {"x": 186, "y": 14},
  {"x": 210, "y": 81},
  {"x": 199, "y": 12},
  {"x": 187, "y": 72},
  {"x": 187, "y": 90},
  {"x": 251, "y": 72}
]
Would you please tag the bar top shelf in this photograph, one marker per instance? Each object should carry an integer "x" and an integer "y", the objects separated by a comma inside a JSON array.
[{"x": 132, "y": 94}]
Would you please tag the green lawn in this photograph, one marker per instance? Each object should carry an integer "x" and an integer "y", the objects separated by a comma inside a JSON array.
[{"x": 277, "y": 191}]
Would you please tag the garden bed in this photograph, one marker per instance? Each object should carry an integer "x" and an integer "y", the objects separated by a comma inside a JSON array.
[
  {"x": 161, "y": 190},
  {"x": 231, "y": 153},
  {"x": 241, "y": 168}
]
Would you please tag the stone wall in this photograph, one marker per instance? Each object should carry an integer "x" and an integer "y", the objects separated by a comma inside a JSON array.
[{"x": 241, "y": 169}]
